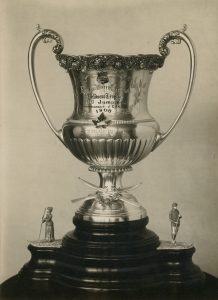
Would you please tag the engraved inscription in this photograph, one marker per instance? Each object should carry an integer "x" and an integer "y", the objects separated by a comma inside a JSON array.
[
  {"x": 102, "y": 98},
  {"x": 92, "y": 131}
]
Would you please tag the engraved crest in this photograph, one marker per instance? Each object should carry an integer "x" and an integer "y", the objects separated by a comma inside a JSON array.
[{"x": 102, "y": 77}]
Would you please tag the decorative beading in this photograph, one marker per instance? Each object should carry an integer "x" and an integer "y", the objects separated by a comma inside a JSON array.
[
  {"x": 102, "y": 169},
  {"x": 117, "y": 62}
]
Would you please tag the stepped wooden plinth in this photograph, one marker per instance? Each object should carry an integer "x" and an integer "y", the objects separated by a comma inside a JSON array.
[{"x": 109, "y": 257}]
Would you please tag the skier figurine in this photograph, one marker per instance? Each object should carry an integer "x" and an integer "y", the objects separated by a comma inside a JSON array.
[
  {"x": 174, "y": 217},
  {"x": 49, "y": 225}
]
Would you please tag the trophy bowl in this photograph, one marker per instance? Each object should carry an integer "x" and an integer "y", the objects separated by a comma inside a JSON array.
[{"x": 110, "y": 128}]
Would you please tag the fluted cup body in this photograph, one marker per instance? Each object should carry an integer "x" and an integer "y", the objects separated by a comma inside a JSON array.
[{"x": 110, "y": 126}]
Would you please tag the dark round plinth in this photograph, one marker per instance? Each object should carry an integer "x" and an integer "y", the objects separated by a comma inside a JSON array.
[{"x": 109, "y": 256}]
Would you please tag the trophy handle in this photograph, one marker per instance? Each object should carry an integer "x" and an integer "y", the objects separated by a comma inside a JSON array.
[
  {"x": 47, "y": 36},
  {"x": 175, "y": 37}
]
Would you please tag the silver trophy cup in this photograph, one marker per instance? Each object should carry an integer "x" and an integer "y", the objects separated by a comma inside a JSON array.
[{"x": 110, "y": 128}]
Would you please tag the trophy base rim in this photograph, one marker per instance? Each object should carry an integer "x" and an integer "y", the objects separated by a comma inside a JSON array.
[{"x": 115, "y": 211}]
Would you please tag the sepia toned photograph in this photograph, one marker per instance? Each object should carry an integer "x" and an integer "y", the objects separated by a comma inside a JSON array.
[{"x": 108, "y": 124}]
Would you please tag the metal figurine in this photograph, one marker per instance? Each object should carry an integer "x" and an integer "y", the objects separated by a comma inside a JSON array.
[
  {"x": 174, "y": 217},
  {"x": 49, "y": 225}
]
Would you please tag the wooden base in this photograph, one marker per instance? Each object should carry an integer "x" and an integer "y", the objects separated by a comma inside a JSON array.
[
  {"x": 15, "y": 288},
  {"x": 177, "y": 268},
  {"x": 122, "y": 256}
]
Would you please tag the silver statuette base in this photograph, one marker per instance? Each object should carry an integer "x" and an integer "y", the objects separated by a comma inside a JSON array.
[
  {"x": 45, "y": 243},
  {"x": 167, "y": 245}
]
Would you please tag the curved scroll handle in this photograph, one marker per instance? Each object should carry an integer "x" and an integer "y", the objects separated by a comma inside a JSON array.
[
  {"x": 47, "y": 36},
  {"x": 175, "y": 37}
]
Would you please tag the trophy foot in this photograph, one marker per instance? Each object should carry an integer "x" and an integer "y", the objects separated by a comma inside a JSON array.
[
  {"x": 95, "y": 210},
  {"x": 111, "y": 202}
]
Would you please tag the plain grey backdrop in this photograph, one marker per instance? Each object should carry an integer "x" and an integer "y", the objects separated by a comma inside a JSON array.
[{"x": 37, "y": 171}]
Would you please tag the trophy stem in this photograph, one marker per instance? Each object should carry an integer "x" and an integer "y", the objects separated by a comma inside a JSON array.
[{"x": 110, "y": 180}]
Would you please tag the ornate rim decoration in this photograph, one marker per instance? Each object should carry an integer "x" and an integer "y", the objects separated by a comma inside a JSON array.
[
  {"x": 104, "y": 61},
  {"x": 114, "y": 61}
]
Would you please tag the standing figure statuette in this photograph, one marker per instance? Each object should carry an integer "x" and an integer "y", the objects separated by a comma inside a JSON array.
[
  {"x": 49, "y": 225},
  {"x": 174, "y": 217}
]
